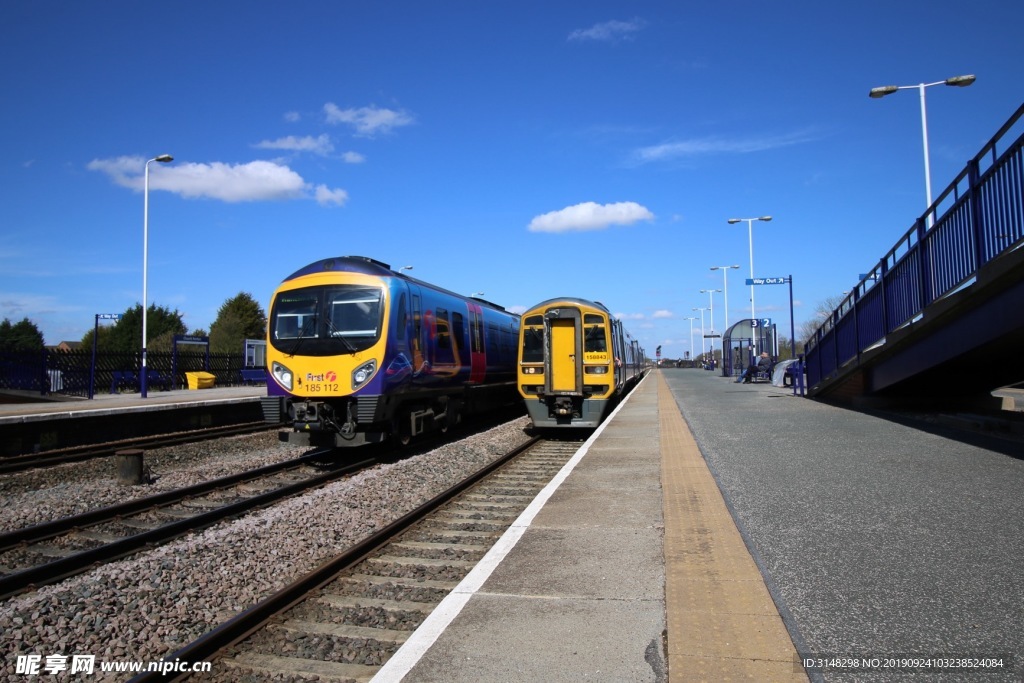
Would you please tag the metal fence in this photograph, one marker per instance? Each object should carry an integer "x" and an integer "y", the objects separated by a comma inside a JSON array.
[
  {"x": 982, "y": 216},
  {"x": 72, "y": 373}
]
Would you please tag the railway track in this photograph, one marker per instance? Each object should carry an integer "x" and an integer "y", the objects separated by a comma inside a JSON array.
[
  {"x": 20, "y": 463},
  {"x": 50, "y": 552},
  {"x": 345, "y": 619}
]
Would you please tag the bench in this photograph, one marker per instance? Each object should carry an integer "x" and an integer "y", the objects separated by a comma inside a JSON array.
[
  {"x": 123, "y": 378},
  {"x": 155, "y": 378},
  {"x": 253, "y": 375},
  {"x": 130, "y": 379}
]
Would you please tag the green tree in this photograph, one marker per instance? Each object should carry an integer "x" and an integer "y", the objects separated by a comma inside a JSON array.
[
  {"x": 126, "y": 336},
  {"x": 238, "y": 319},
  {"x": 22, "y": 336}
]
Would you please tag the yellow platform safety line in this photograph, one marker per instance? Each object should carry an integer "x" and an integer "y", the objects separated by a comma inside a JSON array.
[{"x": 722, "y": 622}]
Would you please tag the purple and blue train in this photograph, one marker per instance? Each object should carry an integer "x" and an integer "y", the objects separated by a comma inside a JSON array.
[{"x": 358, "y": 353}]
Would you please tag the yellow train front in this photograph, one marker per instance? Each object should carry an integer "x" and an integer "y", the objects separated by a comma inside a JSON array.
[{"x": 575, "y": 362}]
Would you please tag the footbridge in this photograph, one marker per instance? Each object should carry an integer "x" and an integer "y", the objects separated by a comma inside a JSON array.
[{"x": 940, "y": 318}]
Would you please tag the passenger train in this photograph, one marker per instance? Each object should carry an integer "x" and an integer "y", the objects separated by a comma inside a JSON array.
[
  {"x": 358, "y": 353},
  {"x": 575, "y": 361}
]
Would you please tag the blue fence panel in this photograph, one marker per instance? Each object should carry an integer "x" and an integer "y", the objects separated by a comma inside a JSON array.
[
  {"x": 846, "y": 338},
  {"x": 903, "y": 290},
  {"x": 870, "y": 318}
]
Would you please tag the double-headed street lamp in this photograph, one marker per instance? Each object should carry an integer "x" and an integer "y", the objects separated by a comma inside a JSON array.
[
  {"x": 956, "y": 81},
  {"x": 163, "y": 159},
  {"x": 750, "y": 234},
  {"x": 725, "y": 290}
]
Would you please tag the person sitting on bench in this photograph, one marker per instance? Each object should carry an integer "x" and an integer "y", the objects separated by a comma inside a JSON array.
[{"x": 764, "y": 364}]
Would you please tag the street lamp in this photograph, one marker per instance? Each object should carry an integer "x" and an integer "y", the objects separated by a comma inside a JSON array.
[
  {"x": 956, "y": 81},
  {"x": 404, "y": 268},
  {"x": 701, "y": 329},
  {"x": 476, "y": 294},
  {"x": 163, "y": 159},
  {"x": 725, "y": 290},
  {"x": 711, "y": 305},
  {"x": 750, "y": 235},
  {"x": 691, "y": 319}
]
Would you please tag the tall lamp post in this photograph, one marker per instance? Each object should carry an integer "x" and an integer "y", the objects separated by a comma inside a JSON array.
[
  {"x": 711, "y": 305},
  {"x": 750, "y": 235},
  {"x": 725, "y": 290},
  {"x": 956, "y": 81},
  {"x": 163, "y": 159},
  {"x": 701, "y": 329},
  {"x": 691, "y": 319}
]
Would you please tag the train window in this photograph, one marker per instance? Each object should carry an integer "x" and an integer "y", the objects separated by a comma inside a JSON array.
[
  {"x": 444, "y": 339},
  {"x": 595, "y": 338},
  {"x": 353, "y": 311},
  {"x": 295, "y": 315},
  {"x": 533, "y": 341}
]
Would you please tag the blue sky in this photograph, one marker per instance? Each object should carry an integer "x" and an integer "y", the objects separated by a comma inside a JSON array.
[{"x": 525, "y": 150}]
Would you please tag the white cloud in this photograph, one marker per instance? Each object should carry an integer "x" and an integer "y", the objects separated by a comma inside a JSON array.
[
  {"x": 353, "y": 158},
  {"x": 292, "y": 116},
  {"x": 325, "y": 196},
  {"x": 662, "y": 314},
  {"x": 590, "y": 216},
  {"x": 367, "y": 120},
  {"x": 320, "y": 145},
  {"x": 609, "y": 31},
  {"x": 718, "y": 145},
  {"x": 630, "y": 316},
  {"x": 252, "y": 182}
]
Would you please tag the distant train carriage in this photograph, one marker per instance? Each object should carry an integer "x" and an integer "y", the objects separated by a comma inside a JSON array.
[
  {"x": 575, "y": 362},
  {"x": 358, "y": 353}
]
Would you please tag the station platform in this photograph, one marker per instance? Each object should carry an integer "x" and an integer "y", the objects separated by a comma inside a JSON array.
[
  {"x": 713, "y": 531},
  {"x": 49, "y": 408}
]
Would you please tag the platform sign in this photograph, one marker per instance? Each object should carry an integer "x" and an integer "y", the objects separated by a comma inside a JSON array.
[
  {"x": 766, "y": 280},
  {"x": 760, "y": 322},
  {"x": 108, "y": 316}
]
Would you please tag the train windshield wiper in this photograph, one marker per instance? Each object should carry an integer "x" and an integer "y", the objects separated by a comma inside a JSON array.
[
  {"x": 339, "y": 334},
  {"x": 309, "y": 324}
]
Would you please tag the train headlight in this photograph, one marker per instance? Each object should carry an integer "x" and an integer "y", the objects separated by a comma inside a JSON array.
[
  {"x": 596, "y": 369},
  {"x": 282, "y": 374},
  {"x": 363, "y": 373},
  {"x": 533, "y": 370}
]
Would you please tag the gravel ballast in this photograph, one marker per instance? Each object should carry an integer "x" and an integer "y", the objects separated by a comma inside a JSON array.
[{"x": 147, "y": 606}]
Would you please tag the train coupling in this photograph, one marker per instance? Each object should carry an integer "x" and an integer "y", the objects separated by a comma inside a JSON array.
[{"x": 562, "y": 406}]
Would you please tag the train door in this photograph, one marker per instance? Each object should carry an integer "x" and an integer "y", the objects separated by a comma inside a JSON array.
[
  {"x": 564, "y": 360},
  {"x": 418, "y": 337},
  {"x": 477, "y": 354}
]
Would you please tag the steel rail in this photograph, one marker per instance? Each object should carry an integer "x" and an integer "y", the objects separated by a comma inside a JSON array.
[{"x": 65, "y": 567}]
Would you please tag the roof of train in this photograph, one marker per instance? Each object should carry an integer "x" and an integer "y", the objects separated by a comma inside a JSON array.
[
  {"x": 571, "y": 300},
  {"x": 369, "y": 266}
]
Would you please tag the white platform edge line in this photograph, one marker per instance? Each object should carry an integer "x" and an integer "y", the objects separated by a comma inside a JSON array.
[{"x": 433, "y": 626}]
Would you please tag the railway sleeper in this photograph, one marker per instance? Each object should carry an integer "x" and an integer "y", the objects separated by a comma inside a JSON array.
[
  {"x": 381, "y": 635},
  {"x": 403, "y": 561},
  {"x": 359, "y": 602},
  {"x": 402, "y": 582},
  {"x": 290, "y": 666}
]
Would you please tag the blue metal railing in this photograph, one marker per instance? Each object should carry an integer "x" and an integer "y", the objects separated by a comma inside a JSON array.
[{"x": 982, "y": 216}]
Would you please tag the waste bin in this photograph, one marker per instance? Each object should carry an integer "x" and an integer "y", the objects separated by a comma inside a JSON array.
[{"x": 200, "y": 380}]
